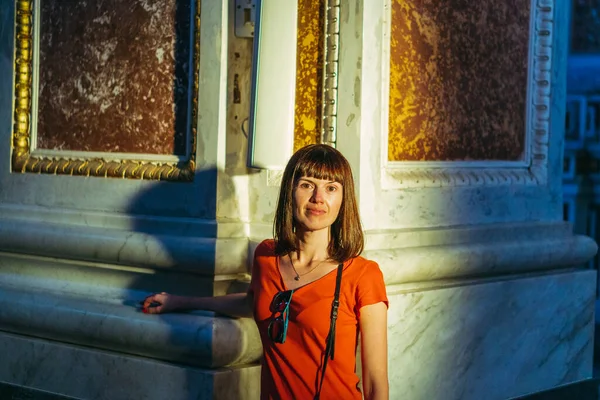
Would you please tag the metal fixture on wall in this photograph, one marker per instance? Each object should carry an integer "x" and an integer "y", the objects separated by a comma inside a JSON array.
[
  {"x": 331, "y": 51},
  {"x": 245, "y": 18}
]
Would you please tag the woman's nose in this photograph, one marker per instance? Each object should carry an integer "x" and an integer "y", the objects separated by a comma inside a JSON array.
[{"x": 318, "y": 195}]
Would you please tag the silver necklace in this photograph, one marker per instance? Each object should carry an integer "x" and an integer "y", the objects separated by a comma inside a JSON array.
[{"x": 297, "y": 277}]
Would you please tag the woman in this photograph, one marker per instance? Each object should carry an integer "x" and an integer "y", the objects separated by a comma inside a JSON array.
[{"x": 311, "y": 293}]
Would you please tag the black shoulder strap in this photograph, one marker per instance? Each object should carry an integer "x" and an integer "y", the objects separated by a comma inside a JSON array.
[{"x": 330, "y": 347}]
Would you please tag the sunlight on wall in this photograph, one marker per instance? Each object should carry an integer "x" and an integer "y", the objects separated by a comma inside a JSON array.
[{"x": 309, "y": 73}]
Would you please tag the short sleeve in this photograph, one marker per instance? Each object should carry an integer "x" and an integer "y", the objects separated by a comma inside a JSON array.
[
  {"x": 265, "y": 248},
  {"x": 370, "y": 288},
  {"x": 253, "y": 277}
]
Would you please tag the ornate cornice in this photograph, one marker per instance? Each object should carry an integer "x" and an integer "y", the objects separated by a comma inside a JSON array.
[
  {"x": 22, "y": 159},
  {"x": 533, "y": 170}
]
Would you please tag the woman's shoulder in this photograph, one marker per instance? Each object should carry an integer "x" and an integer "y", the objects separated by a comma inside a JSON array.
[
  {"x": 265, "y": 248},
  {"x": 361, "y": 262},
  {"x": 363, "y": 267}
]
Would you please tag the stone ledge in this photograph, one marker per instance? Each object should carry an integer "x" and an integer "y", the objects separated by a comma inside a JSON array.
[
  {"x": 201, "y": 255},
  {"x": 429, "y": 263},
  {"x": 198, "y": 339},
  {"x": 456, "y": 235},
  {"x": 81, "y": 278},
  {"x": 90, "y": 374}
]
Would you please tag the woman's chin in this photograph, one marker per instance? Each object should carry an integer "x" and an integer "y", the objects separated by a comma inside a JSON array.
[{"x": 313, "y": 227}]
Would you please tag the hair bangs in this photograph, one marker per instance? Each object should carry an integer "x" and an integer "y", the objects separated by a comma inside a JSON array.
[{"x": 323, "y": 164}]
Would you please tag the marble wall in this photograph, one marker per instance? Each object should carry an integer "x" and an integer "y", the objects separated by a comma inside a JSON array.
[
  {"x": 458, "y": 80},
  {"x": 114, "y": 77},
  {"x": 491, "y": 339},
  {"x": 126, "y": 197}
]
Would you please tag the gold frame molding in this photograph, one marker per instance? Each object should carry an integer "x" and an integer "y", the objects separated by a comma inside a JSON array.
[{"x": 24, "y": 162}]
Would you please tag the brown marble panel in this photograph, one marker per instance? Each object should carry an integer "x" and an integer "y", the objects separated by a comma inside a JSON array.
[
  {"x": 458, "y": 80},
  {"x": 307, "y": 122},
  {"x": 585, "y": 26},
  {"x": 114, "y": 75}
]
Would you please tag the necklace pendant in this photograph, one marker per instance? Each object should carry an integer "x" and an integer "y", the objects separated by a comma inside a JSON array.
[{"x": 296, "y": 278}]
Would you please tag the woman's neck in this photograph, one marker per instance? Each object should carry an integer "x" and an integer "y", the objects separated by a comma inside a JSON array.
[{"x": 312, "y": 246}]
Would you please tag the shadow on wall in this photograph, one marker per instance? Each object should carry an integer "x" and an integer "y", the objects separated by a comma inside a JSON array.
[{"x": 184, "y": 250}]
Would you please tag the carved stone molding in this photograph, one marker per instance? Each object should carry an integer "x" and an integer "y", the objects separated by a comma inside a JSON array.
[
  {"x": 116, "y": 166},
  {"x": 533, "y": 169},
  {"x": 331, "y": 50}
]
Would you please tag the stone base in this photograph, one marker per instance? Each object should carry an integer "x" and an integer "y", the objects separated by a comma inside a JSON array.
[
  {"x": 84, "y": 373},
  {"x": 491, "y": 339}
]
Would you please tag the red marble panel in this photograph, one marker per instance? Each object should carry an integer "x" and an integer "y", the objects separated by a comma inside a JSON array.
[
  {"x": 113, "y": 75},
  {"x": 458, "y": 80}
]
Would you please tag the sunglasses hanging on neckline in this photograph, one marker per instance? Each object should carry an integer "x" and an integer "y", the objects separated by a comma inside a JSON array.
[{"x": 280, "y": 307}]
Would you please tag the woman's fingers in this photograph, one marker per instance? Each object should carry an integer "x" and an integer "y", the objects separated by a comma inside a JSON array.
[
  {"x": 148, "y": 300},
  {"x": 154, "y": 303},
  {"x": 153, "y": 309}
]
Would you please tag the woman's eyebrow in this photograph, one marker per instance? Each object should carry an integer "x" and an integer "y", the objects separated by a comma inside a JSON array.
[{"x": 312, "y": 180}]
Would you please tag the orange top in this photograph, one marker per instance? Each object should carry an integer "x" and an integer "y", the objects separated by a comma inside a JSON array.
[{"x": 290, "y": 370}]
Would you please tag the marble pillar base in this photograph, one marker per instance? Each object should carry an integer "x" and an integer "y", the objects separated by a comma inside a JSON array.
[
  {"x": 491, "y": 338},
  {"x": 100, "y": 375},
  {"x": 103, "y": 313}
]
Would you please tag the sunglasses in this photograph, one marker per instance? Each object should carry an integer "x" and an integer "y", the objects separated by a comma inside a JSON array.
[{"x": 279, "y": 323}]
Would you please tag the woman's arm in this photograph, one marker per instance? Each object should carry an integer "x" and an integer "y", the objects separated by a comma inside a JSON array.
[
  {"x": 374, "y": 350},
  {"x": 237, "y": 305}
]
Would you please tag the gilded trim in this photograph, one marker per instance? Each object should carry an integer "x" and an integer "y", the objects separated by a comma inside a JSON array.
[
  {"x": 331, "y": 52},
  {"x": 23, "y": 161}
]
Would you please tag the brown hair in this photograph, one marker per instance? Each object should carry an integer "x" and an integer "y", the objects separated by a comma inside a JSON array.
[{"x": 319, "y": 161}]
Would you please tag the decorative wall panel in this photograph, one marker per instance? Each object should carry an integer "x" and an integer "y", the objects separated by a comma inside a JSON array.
[
  {"x": 307, "y": 124},
  {"x": 114, "y": 77},
  {"x": 458, "y": 80}
]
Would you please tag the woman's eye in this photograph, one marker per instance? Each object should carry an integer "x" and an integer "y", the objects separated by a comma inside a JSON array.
[
  {"x": 331, "y": 188},
  {"x": 305, "y": 185}
]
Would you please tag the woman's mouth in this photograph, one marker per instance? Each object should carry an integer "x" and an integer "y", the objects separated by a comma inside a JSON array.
[{"x": 315, "y": 212}]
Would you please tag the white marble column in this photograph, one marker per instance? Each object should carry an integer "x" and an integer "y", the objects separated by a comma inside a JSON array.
[
  {"x": 487, "y": 296},
  {"x": 78, "y": 252}
]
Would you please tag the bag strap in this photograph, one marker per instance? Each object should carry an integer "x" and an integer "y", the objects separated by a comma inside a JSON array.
[{"x": 330, "y": 347}]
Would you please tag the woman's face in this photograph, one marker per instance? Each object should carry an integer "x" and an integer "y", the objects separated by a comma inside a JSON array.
[{"x": 317, "y": 203}]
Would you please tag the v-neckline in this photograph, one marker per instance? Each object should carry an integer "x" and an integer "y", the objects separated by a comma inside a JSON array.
[{"x": 284, "y": 286}]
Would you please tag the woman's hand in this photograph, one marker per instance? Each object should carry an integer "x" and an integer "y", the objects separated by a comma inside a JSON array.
[{"x": 160, "y": 303}]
